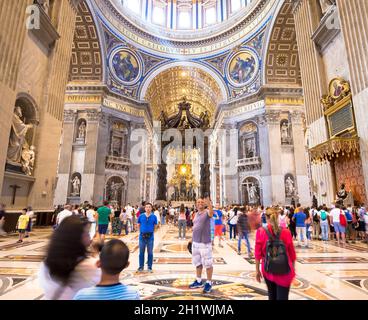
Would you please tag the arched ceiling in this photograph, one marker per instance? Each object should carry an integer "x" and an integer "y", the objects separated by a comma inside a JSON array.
[
  {"x": 86, "y": 61},
  {"x": 168, "y": 89},
  {"x": 282, "y": 61}
]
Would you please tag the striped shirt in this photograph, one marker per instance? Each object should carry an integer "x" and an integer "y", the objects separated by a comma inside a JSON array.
[{"x": 110, "y": 292}]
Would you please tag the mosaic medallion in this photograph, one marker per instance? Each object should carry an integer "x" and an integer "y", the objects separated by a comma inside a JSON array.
[
  {"x": 125, "y": 66},
  {"x": 242, "y": 68}
]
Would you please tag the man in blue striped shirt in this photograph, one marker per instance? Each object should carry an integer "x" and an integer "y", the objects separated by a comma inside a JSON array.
[{"x": 114, "y": 258}]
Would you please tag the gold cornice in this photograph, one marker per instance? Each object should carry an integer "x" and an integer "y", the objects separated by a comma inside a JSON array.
[
  {"x": 284, "y": 101},
  {"x": 79, "y": 99},
  {"x": 334, "y": 148}
]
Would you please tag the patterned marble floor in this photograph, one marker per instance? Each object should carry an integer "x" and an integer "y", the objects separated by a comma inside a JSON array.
[{"x": 324, "y": 271}]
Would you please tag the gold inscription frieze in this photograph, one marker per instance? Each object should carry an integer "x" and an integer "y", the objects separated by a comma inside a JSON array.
[
  {"x": 188, "y": 51},
  {"x": 71, "y": 99},
  {"x": 284, "y": 101},
  {"x": 244, "y": 109},
  {"x": 124, "y": 108}
]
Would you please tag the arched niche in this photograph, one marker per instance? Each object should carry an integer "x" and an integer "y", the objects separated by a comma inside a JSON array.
[
  {"x": 249, "y": 140},
  {"x": 115, "y": 190},
  {"x": 290, "y": 186},
  {"x": 80, "y": 131},
  {"x": 286, "y": 132},
  {"x": 118, "y": 139},
  {"x": 75, "y": 185},
  {"x": 251, "y": 191}
]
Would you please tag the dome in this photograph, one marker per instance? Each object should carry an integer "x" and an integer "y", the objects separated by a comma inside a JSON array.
[{"x": 178, "y": 19}]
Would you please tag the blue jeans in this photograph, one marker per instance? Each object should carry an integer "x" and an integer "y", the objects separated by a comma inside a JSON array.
[
  {"x": 325, "y": 228},
  {"x": 163, "y": 220},
  {"x": 245, "y": 237},
  {"x": 308, "y": 232},
  {"x": 143, "y": 244},
  {"x": 232, "y": 230},
  {"x": 182, "y": 224}
]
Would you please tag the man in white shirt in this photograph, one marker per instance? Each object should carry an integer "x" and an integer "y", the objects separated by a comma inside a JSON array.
[
  {"x": 172, "y": 214},
  {"x": 129, "y": 212},
  {"x": 64, "y": 214},
  {"x": 91, "y": 216},
  {"x": 339, "y": 229}
]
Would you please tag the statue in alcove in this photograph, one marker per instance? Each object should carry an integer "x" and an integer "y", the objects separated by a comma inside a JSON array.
[
  {"x": 250, "y": 148},
  {"x": 76, "y": 184},
  {"x": 285, "y": 133},
  {"x": 253, "y": 194},
  {"x": 28, "y": 159},
  {"x": 289, "y": 187},
  {"x": 17, "y": 138},
  {"x": 82, "y": 131}
]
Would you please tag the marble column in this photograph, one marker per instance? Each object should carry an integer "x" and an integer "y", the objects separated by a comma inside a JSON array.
[
  {"x": 65, "y": 158},
  {"x": 277, "y": 177},
  {"x": 302, "y": 179},
  {"x": 354, "y": 25}
]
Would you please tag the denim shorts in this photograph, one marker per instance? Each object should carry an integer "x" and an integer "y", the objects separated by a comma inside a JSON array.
[
  {"x": 102, "y": 228},
  {"x": 338, "y": 227}
]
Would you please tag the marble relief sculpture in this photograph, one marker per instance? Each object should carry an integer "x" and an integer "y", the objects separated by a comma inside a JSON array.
[
  {"x": 253, "y": 194},
  {"x": 17, "y": 139},
  {"x": 76, "y": 184}
]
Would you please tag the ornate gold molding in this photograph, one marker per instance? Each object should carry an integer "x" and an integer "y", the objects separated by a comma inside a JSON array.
[
  {"x": 338, "y": 90},
  {"x": 284, "y": 101},
  {"x": 93, "y": 99},
  {"x": 335, "y": 148}
]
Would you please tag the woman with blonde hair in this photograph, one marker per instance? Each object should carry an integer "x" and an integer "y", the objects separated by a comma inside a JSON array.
[{"x": 274, "y": 249}]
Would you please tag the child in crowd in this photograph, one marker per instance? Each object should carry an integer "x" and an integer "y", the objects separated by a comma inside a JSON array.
[
  {"x": 114, "y": 258},
  {"x": 22, "y": 224}
]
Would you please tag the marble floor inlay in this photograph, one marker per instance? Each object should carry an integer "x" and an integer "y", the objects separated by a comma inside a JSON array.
[{"x": 325, "y": 271}]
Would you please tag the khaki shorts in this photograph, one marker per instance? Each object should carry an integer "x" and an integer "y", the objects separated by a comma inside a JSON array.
[{"x": 202, "y": 255}]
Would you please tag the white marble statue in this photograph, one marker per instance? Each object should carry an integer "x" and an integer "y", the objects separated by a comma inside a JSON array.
[
  {"x": 285, "y": 137},
  {"x": 289, "y": 186},
  {"x": 253, "y": 194},
  {"x": 82, "y": 130},
  {"x": 17, "y": 137},
  {"x": 28, "y": 159},
  {"x": 76, "y": 184}
]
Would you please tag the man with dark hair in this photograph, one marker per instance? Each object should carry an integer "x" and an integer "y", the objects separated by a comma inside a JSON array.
[
  {"x": 147, "y": 223},
  {"x": 114, "y": 258},
  {"x": 103, "y": 220}
]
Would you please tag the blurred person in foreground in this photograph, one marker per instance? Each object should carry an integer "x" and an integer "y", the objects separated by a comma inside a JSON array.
[
  {"x": 275, "y": 251},
  {"x": 202, "y": 245},
  {"x": 114, "y": 258},
  {"x": 68, "y": 266}
]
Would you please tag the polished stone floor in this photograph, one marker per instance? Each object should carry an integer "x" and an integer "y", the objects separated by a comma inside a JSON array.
[{"x": 324, "y": 271}]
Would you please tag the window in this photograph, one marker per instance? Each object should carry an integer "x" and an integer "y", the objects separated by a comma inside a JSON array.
[
  {"x": 133, "y": 5},
  {"x": 184, "y": 20},
  {"x": 158, "y": 15},
  {"x": 235, "y": 5},
  {"x": 210, "y": 16}
]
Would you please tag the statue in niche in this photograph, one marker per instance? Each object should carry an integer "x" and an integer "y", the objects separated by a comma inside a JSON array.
[
  {"x": 17, "y": 139},
  {"x": 250, "y": 148},
  {"x": 114, "y": 191},
  {"x": 253, "y": 194},
  {"x": 82, "y": 131},
  {"x": 289, "y": 187},
  {"x": 326, "y": 4},
  {"x": 28, "y": 159},
  {"x": 285, "y": 133},
  {"x": 76, "y": 184}
]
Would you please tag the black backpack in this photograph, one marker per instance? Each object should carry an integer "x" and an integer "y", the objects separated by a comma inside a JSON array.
[{"x": 276, "y": 260}]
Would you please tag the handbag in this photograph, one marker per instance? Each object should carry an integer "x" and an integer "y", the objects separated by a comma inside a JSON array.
[{"x": 343, "y": 220}]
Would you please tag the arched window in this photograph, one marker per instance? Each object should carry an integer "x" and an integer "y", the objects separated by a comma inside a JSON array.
[
  {"x": 235, "y": 5},
  {"x": 133, "y": 5},
  {"x": 184, "y": 19},
  {"x": 210, "y": 16},
  {"x": 159, "y": 15}
]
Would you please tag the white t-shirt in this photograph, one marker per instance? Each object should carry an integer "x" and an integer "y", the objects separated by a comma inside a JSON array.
[
  {"x": 157, "y": 214},
  {"x": 30, "y": 214},
  {"x": 85, "y": 275},
  {"x": 129, "y": 211},
  {"x": 62, "y": 215},
  {"x": 233, "y": 219},
  {"x": 172, "y": 212},
  {"x": 335, "y": 214},
  {"x": 91, "y": 215}
]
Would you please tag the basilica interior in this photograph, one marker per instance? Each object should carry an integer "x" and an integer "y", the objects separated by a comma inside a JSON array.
[{"x": 98, "y": 97}]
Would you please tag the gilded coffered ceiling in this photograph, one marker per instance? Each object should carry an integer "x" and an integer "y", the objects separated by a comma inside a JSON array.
[{"x": 170, "y": 86}]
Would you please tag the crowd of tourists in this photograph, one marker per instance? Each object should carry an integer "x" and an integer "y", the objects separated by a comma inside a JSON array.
[{"x": 81, "y": 265}]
